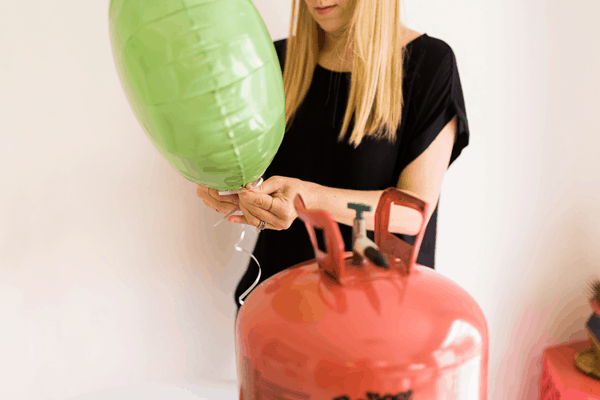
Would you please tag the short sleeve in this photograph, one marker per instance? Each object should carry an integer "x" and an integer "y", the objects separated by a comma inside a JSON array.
[{"x": 442, "y": 100}]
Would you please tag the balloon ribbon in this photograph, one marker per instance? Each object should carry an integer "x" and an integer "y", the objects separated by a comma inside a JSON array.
[{"x": 237, "y": 244}]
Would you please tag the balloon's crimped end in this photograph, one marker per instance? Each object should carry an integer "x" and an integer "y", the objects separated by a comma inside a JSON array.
[{"x": 252, "y": 185}]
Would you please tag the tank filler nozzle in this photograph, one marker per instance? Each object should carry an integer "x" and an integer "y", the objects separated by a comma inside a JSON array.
[{"x": 361, "y": 244}]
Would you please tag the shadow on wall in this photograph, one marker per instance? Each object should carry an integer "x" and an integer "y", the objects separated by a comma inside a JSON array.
[
  {"x": 212, "y": 249},
  {"x": 551, "y": 317}
]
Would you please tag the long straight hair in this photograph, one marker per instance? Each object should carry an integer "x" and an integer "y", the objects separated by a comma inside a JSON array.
[{"x": 373, "y": 37}]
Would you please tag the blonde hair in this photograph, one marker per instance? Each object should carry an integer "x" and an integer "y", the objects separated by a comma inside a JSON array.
[{"x": 373, "y": 37}]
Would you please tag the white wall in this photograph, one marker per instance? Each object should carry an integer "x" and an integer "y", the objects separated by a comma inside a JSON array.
[{"x": 111, "y": 273}]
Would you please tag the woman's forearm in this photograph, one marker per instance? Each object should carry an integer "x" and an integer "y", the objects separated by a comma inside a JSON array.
[{"x": 335, "y": 201}]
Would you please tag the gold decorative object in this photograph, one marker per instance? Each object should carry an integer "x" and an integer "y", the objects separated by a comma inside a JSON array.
[{"x": 588, "y": 361}]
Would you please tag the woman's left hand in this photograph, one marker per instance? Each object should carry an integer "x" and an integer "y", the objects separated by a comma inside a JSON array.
[{"x": 272, "y": 202}]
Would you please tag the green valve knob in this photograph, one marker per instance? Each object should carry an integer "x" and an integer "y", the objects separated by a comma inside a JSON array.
[{"x": 360, "y": 208}]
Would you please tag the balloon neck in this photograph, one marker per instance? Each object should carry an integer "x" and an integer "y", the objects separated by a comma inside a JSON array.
[{"x": 252, "y": 185}]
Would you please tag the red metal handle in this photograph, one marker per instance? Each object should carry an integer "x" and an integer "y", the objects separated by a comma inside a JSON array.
[
  {"x": 332, "y": 260},
  {"x": 387, "y": 242}
]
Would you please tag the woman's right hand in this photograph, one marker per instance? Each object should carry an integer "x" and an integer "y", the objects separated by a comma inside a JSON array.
[{"x": 212, "y": 199}]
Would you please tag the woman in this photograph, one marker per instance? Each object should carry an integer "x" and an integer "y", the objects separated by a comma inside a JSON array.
[{"x": 352, "y": 67}]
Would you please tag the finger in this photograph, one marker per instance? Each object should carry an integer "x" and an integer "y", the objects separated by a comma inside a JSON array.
[
  {"x": 227, "y": 208},
  {"x": 269, "y": 186},
  {"x": 223, "y": 208},
  {"x": 252, "y": 185},
  {"x": 254, "y": 218},
  {"x": 242, "y": 220},
  {"x": 201, "y": 191},
  {"x": 256, "y": 200},
  {"x": 276, "y": 210},
  {"x": 249, "y": 216},
  {"x": 230, "y": 198},
  {"x": 214, "y": 193},
  {"x": 274, "y": 217}
]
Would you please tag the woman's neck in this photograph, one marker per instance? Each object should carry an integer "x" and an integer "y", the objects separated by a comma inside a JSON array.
[
  {"x": 334, "y": 54},
  {"x": 336, "y": 57}
]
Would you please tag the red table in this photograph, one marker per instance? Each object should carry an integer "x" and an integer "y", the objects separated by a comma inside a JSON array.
[{"x": 561, "y": 380}]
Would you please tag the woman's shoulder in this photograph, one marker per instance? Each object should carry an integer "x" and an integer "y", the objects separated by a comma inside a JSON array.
[
  {"x": 421, "y": 45},
  {"x": 429, "y": 51},
  {"x": 424, "y": 52}
]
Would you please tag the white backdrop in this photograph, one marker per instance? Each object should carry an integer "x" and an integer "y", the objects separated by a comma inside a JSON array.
[{"x": 111, "y": 273}]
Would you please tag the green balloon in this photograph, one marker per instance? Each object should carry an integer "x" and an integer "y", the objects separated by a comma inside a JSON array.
[{"x": 204, "y": 81}]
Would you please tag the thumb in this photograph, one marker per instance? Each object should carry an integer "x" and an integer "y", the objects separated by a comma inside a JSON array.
[{"x": 267, "y": 187}]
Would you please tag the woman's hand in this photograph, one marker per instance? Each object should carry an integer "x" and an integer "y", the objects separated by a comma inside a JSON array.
[
  {"x": 212, "y": 199},
  {"x": 272, "y": 202}
]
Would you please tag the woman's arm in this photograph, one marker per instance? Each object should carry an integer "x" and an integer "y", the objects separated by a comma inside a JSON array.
[
  {"x": 335, "y": 202},
  {"x": 273, "y": 201},
  {"x": 423, "y": 177}
]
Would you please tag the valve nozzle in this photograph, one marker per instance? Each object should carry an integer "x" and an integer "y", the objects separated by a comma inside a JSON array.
[
  {"x": 361, "y": 244},
  {"x": 360, "y": 208},
  {"x": 376, "y": 257}
]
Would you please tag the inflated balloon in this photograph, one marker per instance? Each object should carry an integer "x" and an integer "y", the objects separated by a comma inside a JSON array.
[{"x": 204, "y": 81}]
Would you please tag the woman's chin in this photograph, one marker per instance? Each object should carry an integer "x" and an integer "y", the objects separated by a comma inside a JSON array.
[{"x": 336, "y": 30}]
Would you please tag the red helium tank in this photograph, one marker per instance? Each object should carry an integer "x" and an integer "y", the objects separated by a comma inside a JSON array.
[{"x": 337, "y": 329}]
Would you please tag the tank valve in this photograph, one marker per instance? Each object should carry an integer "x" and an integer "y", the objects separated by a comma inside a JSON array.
[{"x": 362, "y": 246}]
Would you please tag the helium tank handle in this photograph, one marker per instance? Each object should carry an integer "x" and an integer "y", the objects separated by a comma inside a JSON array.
[
  {"x": 389, "y": 243},
  {"x": 332, "y": 260}
]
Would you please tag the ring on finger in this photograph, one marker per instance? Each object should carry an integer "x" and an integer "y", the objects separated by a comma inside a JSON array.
[{"x": 261, "y": 226}]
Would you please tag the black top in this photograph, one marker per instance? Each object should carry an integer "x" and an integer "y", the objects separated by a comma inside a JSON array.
[{"x": 310, "y": 150}]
